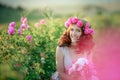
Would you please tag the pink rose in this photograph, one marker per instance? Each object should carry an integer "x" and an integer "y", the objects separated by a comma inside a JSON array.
[
  {"x": 37, "y": 24},
  {"x": 29, "y": 38},
  {"x": 75, "y": 20},
  {"x": 12, "y": 24},
  {"x": 89, "y": 31},
  {"x": 80, "y": 23},
  {"x": 70, "y": 20},
  {"x": 67, "y": 24},
  {"x": 87, "y": 25},
  {"x": 24, "y": 20},
  {"x": 24, "y": 26},
  {"x": 92, "y": 31},
  {"x": 19, "y": 31},
  {"x": 27, "y": 27},
  {"x": 42, "y": 21},
  {"x": 11, "y": 30}
]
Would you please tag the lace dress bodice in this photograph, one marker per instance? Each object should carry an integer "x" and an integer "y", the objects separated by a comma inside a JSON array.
[
  {"x": 67, "y": 59},
  {"x": 83, "y": 66}
]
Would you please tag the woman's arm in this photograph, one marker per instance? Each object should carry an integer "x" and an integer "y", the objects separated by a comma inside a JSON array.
[{"x": 60, "y": 65}]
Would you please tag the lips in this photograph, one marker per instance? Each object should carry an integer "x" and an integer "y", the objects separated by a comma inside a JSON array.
[{"x": 74, "y": 37}]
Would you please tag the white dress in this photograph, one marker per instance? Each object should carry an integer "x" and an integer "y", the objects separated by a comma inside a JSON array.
[{"x": 83, "y": 73}]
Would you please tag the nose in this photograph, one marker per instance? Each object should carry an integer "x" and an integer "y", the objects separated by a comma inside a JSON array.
[{"x": 74, "y": 32}]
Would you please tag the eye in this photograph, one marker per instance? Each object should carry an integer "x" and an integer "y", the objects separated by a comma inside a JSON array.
[
  {"x": 78, "y": 30},
  {"x": 71, "y": 29}
]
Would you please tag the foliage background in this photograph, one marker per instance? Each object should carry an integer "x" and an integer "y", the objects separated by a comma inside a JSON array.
[{"x": 21, "y": 60}]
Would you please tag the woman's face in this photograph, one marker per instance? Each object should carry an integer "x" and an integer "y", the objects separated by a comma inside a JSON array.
[{"x": 75, "y": 33}]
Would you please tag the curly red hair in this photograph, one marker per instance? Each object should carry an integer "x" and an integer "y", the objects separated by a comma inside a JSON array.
[{"x": 85, "y": 42}]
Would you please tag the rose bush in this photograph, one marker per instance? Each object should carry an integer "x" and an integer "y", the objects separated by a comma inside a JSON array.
[{"x": 21, "y": 49}]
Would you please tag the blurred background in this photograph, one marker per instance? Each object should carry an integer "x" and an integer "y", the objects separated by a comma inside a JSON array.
[
  {"x": 21, "y": 60},
  {"x": 36, "y": 9}
]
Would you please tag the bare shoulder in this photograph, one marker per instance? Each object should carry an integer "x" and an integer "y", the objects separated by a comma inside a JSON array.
[{"x": 59, "y": 50}]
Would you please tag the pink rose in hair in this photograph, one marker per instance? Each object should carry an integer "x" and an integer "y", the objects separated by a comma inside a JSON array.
[
  {"x": 80, "y": 23},
  {"x": 70, "y": 20},
  {"x": 67, "y": 24},
  {"x": 89, "y": 31},
  {"x": 75, "y": 20},
  {"x": 87, "y": 25},
  {"x": 92, "y": 31},
  {"x": 86, "y": 31}
]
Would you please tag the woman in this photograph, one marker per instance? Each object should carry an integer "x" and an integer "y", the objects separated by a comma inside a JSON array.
[{"x": 73, "y": 53}]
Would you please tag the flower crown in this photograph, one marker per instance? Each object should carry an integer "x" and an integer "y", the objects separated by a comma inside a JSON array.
[{"x": 80, "y": 23}]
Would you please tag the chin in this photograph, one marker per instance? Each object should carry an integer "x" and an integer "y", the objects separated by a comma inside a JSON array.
[{"x": 74, "y": 41}]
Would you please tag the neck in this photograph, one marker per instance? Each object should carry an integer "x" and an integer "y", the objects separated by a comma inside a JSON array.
[
  {"x": 73, "y": 45},
  {"x": 75, "y": 48}
]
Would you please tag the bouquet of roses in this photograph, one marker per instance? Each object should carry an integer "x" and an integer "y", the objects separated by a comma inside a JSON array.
[
  {"x": 83, "y": 69},
  {"x": 78, "y": 66}
]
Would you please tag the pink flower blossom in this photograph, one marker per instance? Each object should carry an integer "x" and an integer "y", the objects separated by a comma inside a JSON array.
[
  {"x": 19, "y": 31},
  {"x": 29, "y": 38},
  {"x": 12, "y": 24},
  {"x": 27, "y": 27},
  {"x": 87, "y": 25},
  {"x": 11, "y": 30},
  {"x": 67, "y": 24},
  {"x": 92, "y": 31},
  {"x": 24, "y": 20},
  {"x": 75, "y": 20},
  {"x": 37, "y": 24},
  {"x": 23, "y": 26},
  {"x": 42, "y": 21},
  {"x": 79, "y": 23},
  {"x": 70, "y": 20},
  {"x": 89, "y": 31}
]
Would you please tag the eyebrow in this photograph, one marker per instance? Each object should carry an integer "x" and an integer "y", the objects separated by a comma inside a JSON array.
[{"x": 78, "y": 29}]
